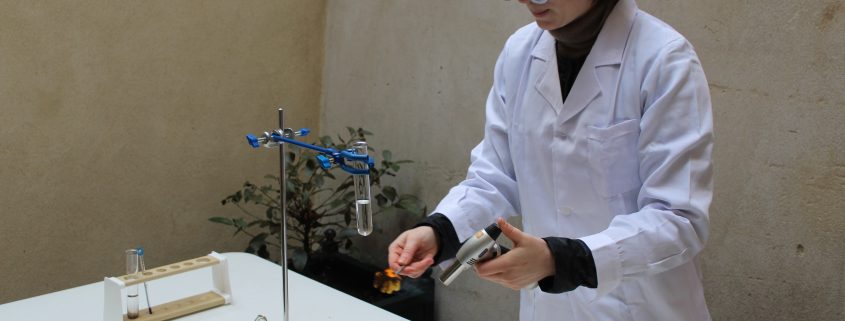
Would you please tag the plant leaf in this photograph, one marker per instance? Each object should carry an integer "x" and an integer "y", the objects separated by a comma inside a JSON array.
[
  {"x": 237, "y": 197},
  {"x": 222, "y": 220},
  {"x": 347, "y": 233},
  {"x": 239, "y": 223},
  {"x": 381, "y": 200},
  {"x": 299, "y": 259},
  {"x": 263, "y": 253},
  {"x": 409, "y": 203},
  {"x": 258, "y": 241},
  {"x": 326, "y": 141},
  {"x": 389, "y": 192},
  {"x": 338, "y": 202}
]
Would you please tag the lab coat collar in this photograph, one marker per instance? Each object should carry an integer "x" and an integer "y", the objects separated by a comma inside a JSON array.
[
  {"x": 610, "y": 43},
  {"x": 608, "y": 50}
]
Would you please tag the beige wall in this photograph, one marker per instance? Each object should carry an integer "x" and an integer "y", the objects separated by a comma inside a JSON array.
[
  {"x": 777, "y": 73},
  {"x": 122, "y": 123},
  {"x": 417, "y": 73}
]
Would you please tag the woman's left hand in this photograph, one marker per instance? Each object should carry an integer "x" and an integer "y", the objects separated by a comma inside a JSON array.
[{"x": 528, "y": 262}]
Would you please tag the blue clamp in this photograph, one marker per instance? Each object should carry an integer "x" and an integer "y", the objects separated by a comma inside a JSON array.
[
  {"x": 252, "y": 140},
  {"x": 324, "y": 161},
  {"x": 327, "y": 158},
  {"x": 342, "y": 158},
  {"x": 349, "y": 155},
  {"x": 140, "y": 251}
]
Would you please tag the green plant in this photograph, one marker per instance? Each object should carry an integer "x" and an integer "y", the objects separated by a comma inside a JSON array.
[{"x": 317, "y": 201}]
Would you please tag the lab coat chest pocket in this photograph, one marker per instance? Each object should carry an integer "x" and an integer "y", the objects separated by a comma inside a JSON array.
[{"x": 613, "y": 157}]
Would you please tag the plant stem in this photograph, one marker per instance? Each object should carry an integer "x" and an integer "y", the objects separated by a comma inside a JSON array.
[
  {"x": 247, "y": 212},
  {"x": 271, "y": 198}
]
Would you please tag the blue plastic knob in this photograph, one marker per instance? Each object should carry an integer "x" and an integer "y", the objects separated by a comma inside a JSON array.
[
  {"x": 304, "y": 132},
  {"x": 252, "y": 140},
  {"x": 325, "y": 162},
  {"x": 140, "y": 251}
]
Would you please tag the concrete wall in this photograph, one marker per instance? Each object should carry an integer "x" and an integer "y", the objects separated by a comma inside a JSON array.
[
  {"x": 417, "y": 73},
  {"x": 122, "y": 123}
]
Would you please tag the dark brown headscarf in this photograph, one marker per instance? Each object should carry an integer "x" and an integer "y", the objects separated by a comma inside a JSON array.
[{"x": 574, "y": 41}]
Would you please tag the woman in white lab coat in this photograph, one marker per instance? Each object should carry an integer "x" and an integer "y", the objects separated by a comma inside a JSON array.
[{"x": 599, "y": 135}]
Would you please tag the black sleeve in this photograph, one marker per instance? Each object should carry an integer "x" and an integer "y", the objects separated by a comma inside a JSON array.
[
  {"x": 574, "y": 266},
  {"x": 447, "y": 239}
]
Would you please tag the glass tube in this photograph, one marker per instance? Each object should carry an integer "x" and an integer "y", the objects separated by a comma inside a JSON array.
[
  {"x": 132, "y": 291},
  {"x": 363, "y": 208}
]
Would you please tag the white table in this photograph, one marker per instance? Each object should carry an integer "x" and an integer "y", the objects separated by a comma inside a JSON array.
[{"x": 256, "y": 289}]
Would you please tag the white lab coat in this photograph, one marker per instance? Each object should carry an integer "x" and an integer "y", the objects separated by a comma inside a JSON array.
[{"x": 624, "y": 165}]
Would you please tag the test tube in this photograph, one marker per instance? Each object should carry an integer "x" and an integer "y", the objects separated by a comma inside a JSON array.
[
  {"x": 363, "y": 208},
  {"x": 132, "y": 291}
]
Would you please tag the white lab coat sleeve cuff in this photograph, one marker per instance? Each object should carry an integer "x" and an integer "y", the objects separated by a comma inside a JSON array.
[{"x": 607, "y": 257}]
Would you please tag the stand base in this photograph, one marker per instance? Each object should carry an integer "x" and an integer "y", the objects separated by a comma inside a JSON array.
[{"x": 181, "y": 307}]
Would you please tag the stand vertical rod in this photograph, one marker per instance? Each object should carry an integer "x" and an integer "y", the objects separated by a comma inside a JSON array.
[{"x": 283, "y": 202}]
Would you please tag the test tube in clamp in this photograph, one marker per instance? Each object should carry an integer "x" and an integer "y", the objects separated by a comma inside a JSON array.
[{"x": 363, "y": 206}]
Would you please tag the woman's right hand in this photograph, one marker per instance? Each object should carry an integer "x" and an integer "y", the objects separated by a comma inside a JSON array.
[{"x": 414, "y": 250}]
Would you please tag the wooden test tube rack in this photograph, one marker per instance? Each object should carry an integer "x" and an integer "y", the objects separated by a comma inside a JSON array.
[{"x": 222, "y": 294}]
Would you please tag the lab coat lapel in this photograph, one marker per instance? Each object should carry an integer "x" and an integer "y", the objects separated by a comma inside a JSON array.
[
  {"x": 584, "y": 90},
  {"x": 548, "y": 83},
  {"x": 606, "y": 52}
]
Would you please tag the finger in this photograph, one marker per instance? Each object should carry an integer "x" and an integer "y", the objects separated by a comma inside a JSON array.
[
  {"x": 420, "y": 265},
  {"x": 416, "y": 269},
  {"x": 496, "y": 278},
  {"x": 408, "y": 251},
  {"x": 490, "y": 267},
  {"x": 391, "y": 259},
  {"x": 394, "y": 251},
  {"x": 513, "y": 233},
  {"x": 392, "y": 263},
  {"x": 504, "y": 279}
]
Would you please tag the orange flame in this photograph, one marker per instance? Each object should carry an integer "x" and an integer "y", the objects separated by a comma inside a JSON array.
[
  {"x": 391, "y": 274},
  {"x": 387, "y": 281}
]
